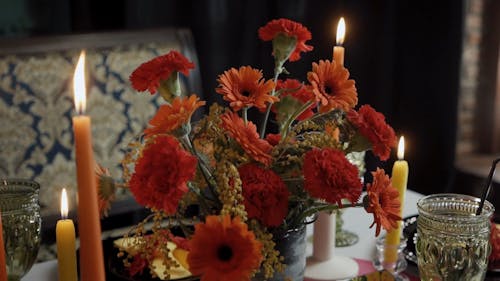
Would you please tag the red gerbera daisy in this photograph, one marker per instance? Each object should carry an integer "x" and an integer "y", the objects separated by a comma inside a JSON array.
[
  {"x": 332, "y": 86},
  {"x": 290, "y": 29},
  {"x": 245, "y": 88},
  {"x": 295, "y": 89},
  {"x": 161, "y": 174},
  {"x": 383, "y": 202},
  {"x": 330, "y": 176},
  {"x": 223, "y": 250},
  {"x": 248, "y": 138},
  {"x": 170, "y": 117},
  {"x": 149, "y": 74},
  {"x": 265, "y": 194},
  {"x": 372, "y": 125}
]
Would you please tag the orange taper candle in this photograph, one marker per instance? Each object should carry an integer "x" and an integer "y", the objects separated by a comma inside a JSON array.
[
  {"x": 338, "y": 50},
  {"x": 89, "y": 228}
]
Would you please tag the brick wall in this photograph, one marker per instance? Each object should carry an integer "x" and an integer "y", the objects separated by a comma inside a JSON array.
[{"x": 469, "y": 82}]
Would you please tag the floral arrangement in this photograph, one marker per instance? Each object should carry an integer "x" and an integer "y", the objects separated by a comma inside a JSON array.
[{"x": 245, "y": 184}]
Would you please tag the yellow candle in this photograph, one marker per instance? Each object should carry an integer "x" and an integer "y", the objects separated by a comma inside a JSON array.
[
  {"x": 338, "y": 50},
  {"x": 89, "y": 228},
  {"x": 66, "y": 249},
  {"x": 399, "y": 181},
  {"x": 3, "y": 265}
]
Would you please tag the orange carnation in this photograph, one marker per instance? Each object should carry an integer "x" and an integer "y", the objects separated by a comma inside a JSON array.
[
  {"x": 170, "y": 117},
  {"x": 290, "y": 29},
  {"x": 149, "y": 74},
  {"x": 383, "y": 202},
  {"x": 223, "y": 250},
  {"x": 161, "y": 174},
  {"x": 245, "y": 88},
  {"x": 248, "y": 138},
  {"x": 265, "y": 194},
  {"x": 332, "y": 86},
  {"x": 372, "y": 126},
  {"x": 330, "y": 176}
]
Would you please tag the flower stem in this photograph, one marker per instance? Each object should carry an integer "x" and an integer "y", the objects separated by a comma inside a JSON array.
[
  {"x": 245, "y": 114},
  {"x": 286, "y": 126},
  {"x": 277, "y": 72},
  {"x": 204, "y": 170}
]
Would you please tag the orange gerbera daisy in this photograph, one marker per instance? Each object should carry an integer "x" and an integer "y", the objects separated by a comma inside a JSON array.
[
  {"x": 248, "y": 138},
  {"x": 223, "y": 250},
  {"x": 332, "y": 86},
  {"x": 106, "y": 189},
  {"x": 149, "y": 74},
  {"x": 383, "y": 202},
  {"x": 290, "y": 29},
  {"x": 245, "y": 88},
  {"x": 170, "y": 117}
]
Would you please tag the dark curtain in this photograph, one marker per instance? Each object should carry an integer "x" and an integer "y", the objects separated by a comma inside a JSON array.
[{"x": 404, "y": 55}]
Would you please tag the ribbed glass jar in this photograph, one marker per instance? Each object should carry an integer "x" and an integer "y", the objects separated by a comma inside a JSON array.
[
  {"x": 452, "y": 242},
  {"x": 21, "y": 224}
]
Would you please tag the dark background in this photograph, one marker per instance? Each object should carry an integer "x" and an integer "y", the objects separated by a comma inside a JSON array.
[{"x": 404, "y": 55}]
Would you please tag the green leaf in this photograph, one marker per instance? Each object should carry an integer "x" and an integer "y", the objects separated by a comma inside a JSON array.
[
  {"x": 285, "y": 108},
  {"x": 170, "y": 88}
]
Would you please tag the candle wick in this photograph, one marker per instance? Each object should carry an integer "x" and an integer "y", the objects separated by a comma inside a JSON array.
[{"x": 79, "y": 110}]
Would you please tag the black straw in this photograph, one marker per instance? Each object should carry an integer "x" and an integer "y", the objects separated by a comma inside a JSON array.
[{"x": 487, "y": 187}]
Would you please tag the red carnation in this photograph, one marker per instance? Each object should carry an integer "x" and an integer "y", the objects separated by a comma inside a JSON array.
[
  {"x": 372, "y": 125},
  {"x": 161, "y": 174},
  {"x": 330, "y": 176},
  {"x": 149, "y": 74},
  {"x": 265, "y": 194},
  {"x": 288, "y": 28}
]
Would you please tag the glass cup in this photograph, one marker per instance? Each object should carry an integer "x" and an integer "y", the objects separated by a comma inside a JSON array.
[
  {"x": 21, "y": 225},
  {"x": 395, "y": 268},
  {"x": 452, "y": 242}
]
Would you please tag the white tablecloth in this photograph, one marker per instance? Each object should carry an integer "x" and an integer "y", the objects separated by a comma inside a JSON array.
[{"x": 355, "y": 220}]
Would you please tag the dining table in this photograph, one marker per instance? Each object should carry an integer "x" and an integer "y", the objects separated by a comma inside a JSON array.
[{"x": 356, "y": 220}]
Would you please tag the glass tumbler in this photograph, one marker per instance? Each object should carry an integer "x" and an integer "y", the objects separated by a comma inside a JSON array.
[
  {"x": 394, "y": 268},
  {"x": 21, "y": 225},
  {"x": 452, "y": 242}
]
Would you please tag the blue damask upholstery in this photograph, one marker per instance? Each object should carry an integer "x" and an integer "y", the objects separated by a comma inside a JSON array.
[{"x": 36, "y": 102}]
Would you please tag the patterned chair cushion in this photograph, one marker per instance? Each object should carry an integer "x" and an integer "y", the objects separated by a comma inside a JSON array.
[{"x": 36, "y": 102}]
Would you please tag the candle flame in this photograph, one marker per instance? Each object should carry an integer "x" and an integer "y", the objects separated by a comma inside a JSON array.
[
  {"x": 79, "y": 89},
  {"x": 340, "y": 31},
  {"x": 401, "y": 148},
  {"x": 64, "y": 204}
]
